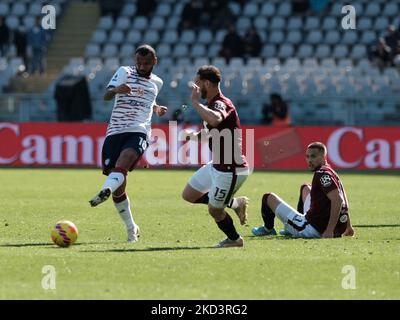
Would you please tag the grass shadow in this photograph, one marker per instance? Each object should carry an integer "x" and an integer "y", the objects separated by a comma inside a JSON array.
[
  {"x": 376, "y": 225},
  {"x": 149, "y": 249},
  {"x": 48, "y": 244},
  {"x": 20, "y": 245},
  {"x": 252, "y": 238}
]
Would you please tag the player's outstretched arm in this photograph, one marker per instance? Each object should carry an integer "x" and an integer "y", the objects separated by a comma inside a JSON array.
[
  {"x": 111, "y": 92},
  {"x": 336, "y": 206}
]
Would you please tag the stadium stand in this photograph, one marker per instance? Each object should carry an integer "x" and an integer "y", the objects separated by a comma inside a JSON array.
[{"x": 322, "y": 70}]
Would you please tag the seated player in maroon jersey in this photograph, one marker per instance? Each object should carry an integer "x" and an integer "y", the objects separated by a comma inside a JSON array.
[{"x": 322, "y": 211}]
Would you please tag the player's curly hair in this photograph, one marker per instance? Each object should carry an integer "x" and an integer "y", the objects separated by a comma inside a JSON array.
[{"x": 210, "y": 73}]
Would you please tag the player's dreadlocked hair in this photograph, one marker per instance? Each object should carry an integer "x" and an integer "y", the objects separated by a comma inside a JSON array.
[
  {"x": 145, "y": 49},
  {"x": 319, "y": 146},
  {"x": 210, "y": 73}
]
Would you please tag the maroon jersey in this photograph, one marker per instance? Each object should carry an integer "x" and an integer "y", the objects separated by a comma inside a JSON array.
[
  {"x": 325, "y": 180},
  {"x": 230, "y": 153}
]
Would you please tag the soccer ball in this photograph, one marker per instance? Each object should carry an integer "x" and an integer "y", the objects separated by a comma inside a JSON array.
[{"x": 64, "y": 233}]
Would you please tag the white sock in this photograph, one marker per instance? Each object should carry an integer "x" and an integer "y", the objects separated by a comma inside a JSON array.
[
  {"x": 114, "y": 181},
  {"x": 233, "y": 204},
  {"x": 124, "y": 210}
]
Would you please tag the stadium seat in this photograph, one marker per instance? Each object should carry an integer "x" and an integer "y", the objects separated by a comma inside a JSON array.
[
  {"x": 213, "y": 50},
  {"x": 234, "y": 7},
  {"x": 322, "y": 51},
  {"x": 349, "y": 37},
  {"x": 173, "y": 23},
  {"x": 220, "y": 35},
  {"x": 200, "y": 61},
  {"x": 372, "y": 10},
  {"x": 294, "y": 37},
  {"x": 243, "y": 23},
  {"x": 261, "y": 23},
  {"x": 4, "y": 9},
  {"x": 277, "y": 23},
  {"x": 127, "y": 50},
  {"x": 314, "y": 37},
  {"x": 163, "y": 50},
  {"x": 391, "y": 9},
  {"x": 340, "y": 51},
  {"x": 364, "y": 24},
  {"x": 329, "y": 23},
  {"x": 268, "y": 9},
  {"x": 140, "y": 23},
  {"x": 251, "y": 9},
  {"x": 312, "y": 23},
  {"x": 110, "y": 50},
  {"x": 35, "y": 9},
  {"x": 105, "y": 23},
  {"x": 198, "y": 50},
  {"x": 358, "y": 51},
  {"x": 286, "y": 51},
  {"x": 157, "y": 23},
  {"x": 123, "y": 23},
  {"x": 219, "y": 63},
  {"x": 332, "y": 37},
  {"x": 116, "y": 37},
  {"x": 12, "y": 22},
  {"x": 128, "y": 10},
  {"x": 305, "y": 51},
  {"x": 205, "y": 37},
  {"x": 18, "y": 9},
  {"x": 381, "y": 23},
  {"x": 268, "y": 51},
  {"x": 295, "y": 23},
  {"x": 368, "y": 37},
  {"x": 99, "y": 36},
  {"x": 151, "y": 36},
  {"x": 180, "y": 50},
  {"x": 163, "y": 10},
  {"x": 328, "y": 63},
  {"x": 170, "y": 37},
  {"x": 276, "y": 37},
  {"x": 134, "y": 37},
  {"x": 29, "y": 21},
  {"x": 187, "y": 37},
  {"x": 284, "y": 9}
]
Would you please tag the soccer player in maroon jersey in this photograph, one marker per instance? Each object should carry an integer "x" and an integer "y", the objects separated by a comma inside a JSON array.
[
  {"x": 215, "y": 183},
  {"x": 323, "y": 209}
]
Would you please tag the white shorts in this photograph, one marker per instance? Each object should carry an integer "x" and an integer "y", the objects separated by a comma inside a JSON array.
[
  {"x": 221, "y": 186},
  {"x": 294, "y": 222}
]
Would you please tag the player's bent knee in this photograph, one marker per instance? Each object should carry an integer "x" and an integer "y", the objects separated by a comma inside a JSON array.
[
  {"x": 187, "y": 196},
  {"x": 267, "y": 197}
]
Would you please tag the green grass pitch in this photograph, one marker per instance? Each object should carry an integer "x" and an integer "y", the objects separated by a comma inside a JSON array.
[{"x": 174, "y": 258}]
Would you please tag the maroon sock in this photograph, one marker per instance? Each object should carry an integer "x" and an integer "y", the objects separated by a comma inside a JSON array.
[
  {"x": 267, "y": 214},
  {"x": 226, "y": 225}
]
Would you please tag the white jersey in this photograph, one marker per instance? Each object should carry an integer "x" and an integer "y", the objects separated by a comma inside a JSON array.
[{"x": 132, "y": 112}]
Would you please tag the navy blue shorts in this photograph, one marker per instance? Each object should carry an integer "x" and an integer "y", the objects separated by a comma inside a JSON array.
[{"x": 114, "y": 144}]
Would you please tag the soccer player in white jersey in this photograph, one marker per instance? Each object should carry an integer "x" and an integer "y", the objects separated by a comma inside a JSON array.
[{"x": 135, "y": 90}]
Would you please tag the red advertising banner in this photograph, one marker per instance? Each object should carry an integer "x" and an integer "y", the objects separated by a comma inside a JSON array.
[{"x": 79, "y": 144}]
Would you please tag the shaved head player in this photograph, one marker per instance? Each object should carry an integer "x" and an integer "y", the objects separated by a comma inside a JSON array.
[{"x": 324, "y": 204}]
